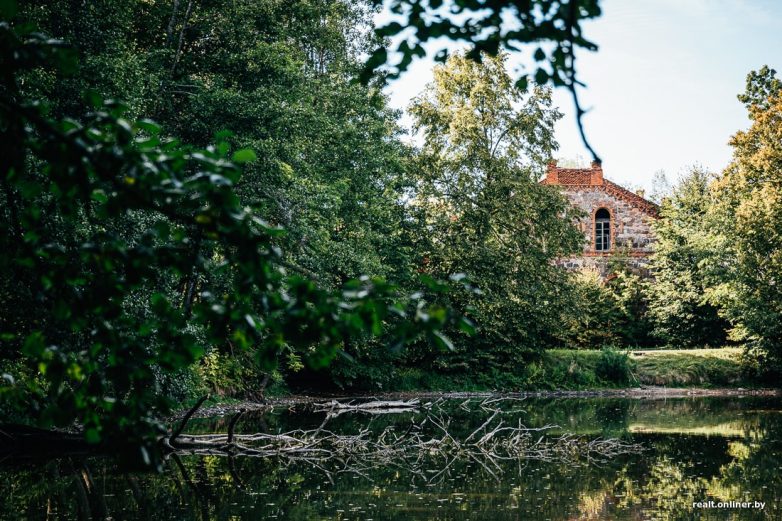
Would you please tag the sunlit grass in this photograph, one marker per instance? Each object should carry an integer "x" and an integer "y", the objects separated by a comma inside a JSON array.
[{"x": 672, "y": 367}]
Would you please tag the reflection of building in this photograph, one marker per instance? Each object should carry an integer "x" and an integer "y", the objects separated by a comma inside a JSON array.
[{"x": 617, "y": 221}]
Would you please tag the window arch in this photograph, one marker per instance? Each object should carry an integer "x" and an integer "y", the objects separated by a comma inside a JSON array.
[{"x": 602, "y": 230}]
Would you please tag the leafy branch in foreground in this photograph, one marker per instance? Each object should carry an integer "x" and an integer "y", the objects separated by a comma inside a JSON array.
[
  {"x": 127, "y": 255},
  {"x": 552, "y": 27}
]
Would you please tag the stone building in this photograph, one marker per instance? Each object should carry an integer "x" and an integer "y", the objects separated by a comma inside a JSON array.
[{"x": 616, "y": 221}]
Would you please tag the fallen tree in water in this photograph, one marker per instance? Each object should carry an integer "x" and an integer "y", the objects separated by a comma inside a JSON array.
[
  {"x": 432, "y": 436},
  {"x": 429, "y": 435},
  {"x": 335, "y": 408}
]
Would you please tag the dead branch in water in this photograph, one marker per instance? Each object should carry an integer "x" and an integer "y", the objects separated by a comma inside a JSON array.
[
  {"x": 186, "y": 418},
  {"x": 432, "y": 437},
  {"x": 335, "y": 408}
]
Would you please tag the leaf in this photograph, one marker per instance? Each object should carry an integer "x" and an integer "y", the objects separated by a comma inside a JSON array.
[
  {"x": 466, "y": 326},
  {"x": 541, "y": 77},
  {"x": 389, "y": 29},
  {"x": 244, "y": 155},
  {"x": 93, "y": 99},
  {"x": 346, "y": 356},
  {"x": 99, "y": 195},
  {"x": 149, "y": 126},
  {"x": 442, "y": 341},
  {"x": 34, "y": 345}
]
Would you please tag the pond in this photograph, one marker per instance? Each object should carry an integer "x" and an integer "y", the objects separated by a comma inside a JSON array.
[{"x": 444, "y": 459}]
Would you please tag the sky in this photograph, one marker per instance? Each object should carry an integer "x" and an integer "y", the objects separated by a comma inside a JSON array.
[{"x": 662, "y": 87}]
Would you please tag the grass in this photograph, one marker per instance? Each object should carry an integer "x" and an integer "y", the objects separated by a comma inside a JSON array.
[
  {"x": 672, "y": 367},
  {"x": 561, "y": 369},
  {"x": 696, "y": 367},
  {"x": 579, "y": 370}
]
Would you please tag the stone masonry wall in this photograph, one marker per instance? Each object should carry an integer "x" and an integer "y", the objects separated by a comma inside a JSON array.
[
  {"x": 630, "y": 226},
  {"x": 631, "y": 233}
]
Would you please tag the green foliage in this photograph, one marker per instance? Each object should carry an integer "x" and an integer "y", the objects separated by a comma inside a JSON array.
[
  {"x": 278, "y": 75},
  {"x": 747, "y": 219},
  {"x": 605, "y": 312},
  {"x": 614, "y": 366},
  {"x": 479, "y": 208},
  {"x": 552, "y": 27},
  {"x": 228, "y": 374},
  {"x": 694, "y": 367},
  {"x": 572, "y": 371},
  {"x": 631, "y": 293},
  {"x": 594, "y": 314},
  {"x": 683, "y": 267},
  {"x": 128, "y": 255}
]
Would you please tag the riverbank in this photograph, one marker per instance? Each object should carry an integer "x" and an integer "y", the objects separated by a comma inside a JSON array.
[
  {"x": 581, "y": 373},
  {"x": 571, "y": 370},
  {"x": 672, "y": 367}
]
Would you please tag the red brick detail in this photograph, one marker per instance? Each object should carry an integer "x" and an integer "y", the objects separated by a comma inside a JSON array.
[
  {"x": 596, "y": 174},
  {"x": 635, "y": 200},
  {"x": 568, "y": 176},
  {"x": 552, "y": 172},
  {"x": 593, "y": 177}
]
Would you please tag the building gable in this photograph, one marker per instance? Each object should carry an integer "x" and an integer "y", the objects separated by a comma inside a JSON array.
[{"x": 616, "y": 220}]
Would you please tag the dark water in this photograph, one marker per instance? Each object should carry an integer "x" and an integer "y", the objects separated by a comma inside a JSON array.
[{"x": 695, "y": 449}]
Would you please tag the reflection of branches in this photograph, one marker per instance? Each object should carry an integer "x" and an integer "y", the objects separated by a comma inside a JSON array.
[{"x": 411, "y": 449}]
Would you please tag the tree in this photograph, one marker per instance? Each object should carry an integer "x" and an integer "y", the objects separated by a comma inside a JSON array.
[
  {"x": 479, "y": 204},
  {"x": 605, "y": 312},
  {"x": 747, "y": 221},
  {"x": 552, "y": 27},
  {"x": 593, "y": 319},
  {"x": 278, "y": 75},
  {"x": 679, "y": 306},
  {"x": 103, "y": 223}
]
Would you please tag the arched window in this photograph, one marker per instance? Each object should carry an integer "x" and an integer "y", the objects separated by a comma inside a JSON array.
[{"x": 602, "y": 230}]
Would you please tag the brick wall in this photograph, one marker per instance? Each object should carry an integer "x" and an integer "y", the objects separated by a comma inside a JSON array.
[{"x": 632, "y": 238}]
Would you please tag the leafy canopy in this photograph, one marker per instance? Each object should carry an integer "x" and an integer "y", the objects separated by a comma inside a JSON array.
[
  {"x": 748, "y": 221},
  {"x": 479, "y": 203},
  {"x": 104, "y": 223}
]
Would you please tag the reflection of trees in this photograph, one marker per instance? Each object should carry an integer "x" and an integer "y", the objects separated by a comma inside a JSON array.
[
  {"x": 661, "y": 484},
  {"x": 757, "y": 465},
  {"x": 682, "y": 470}
]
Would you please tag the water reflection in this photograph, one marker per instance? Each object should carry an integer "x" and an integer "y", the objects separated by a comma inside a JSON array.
[{"x": 723, "y": 449}]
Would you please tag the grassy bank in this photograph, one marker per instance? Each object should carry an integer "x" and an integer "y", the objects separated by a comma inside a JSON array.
[
  {"x": 669, "y": 368},
  {"x": 697, "y": 367},
  {"x": 594, "y": 369}
]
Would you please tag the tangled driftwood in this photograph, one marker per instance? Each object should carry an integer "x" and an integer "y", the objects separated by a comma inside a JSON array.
[
  {"x": 410, "y": 448},
  {"x": 428, "y": 446}
]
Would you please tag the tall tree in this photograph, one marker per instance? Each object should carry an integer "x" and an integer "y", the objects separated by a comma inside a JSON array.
[
  {"x": 482, "y": 210},
  {"x": 679, "y": 306},
  {"x": 748, "y": 220},
  {"x": 90, "y": 310},
  {"x": 277, "y": 75}
]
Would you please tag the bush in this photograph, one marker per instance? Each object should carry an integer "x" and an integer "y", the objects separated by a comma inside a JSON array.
[
  {"x": 605, "y": 312},
  {"x": 614, "y": 366},
  {"x": 592, "y": 319}
]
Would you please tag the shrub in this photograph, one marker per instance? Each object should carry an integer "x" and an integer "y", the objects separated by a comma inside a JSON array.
[
  {"x": 614, "y": 366},
  {"x": 592, "y": 319}
]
